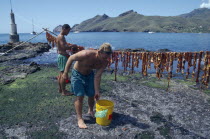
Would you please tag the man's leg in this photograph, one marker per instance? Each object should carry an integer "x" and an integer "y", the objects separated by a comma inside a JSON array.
[
  {"x": 59, "y": 78},
  {"x": 91, "y": 105},
  {"x": 78, "y": 106},
  {"x": 61, "y": 66},
  {"x": 62, "y": 83}
]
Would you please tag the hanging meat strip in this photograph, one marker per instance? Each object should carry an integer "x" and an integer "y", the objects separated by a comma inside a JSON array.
[
  {"x": 199, "y": 66},
  {"x": 128, "y": 60},
  {"x": 189, "y": 61},
  {"x": 183, "y": 62},
  {"x": 136, "y": 57},
  {"x": 125, "y": 61},
  {"x": 116, "y": 65},
  {"x": 194, "y": 64},
  {"x": 171, "y": 59},
  {"x": 149, "y": 57},
  {"x": 206, "y": 69},
  {"x": 144, "y": 64},
  {"x": 167, "y": 62},
  {"x": 158, "y": 65},
  {"x": 163, "y": 62},
  {"x": 179, "y": 64},
  {"x": 132, "y": 66},
  {"x": 137, "y": 60}
]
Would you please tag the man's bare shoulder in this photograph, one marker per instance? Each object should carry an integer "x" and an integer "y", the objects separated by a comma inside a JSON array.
[
  {"x": 88, "y": 52},
  {"x": 60, "y": 37},
  {"x": 84, "y": 55}
]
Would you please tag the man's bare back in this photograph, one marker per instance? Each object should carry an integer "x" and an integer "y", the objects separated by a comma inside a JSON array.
[{"x": 85, "y": 66}]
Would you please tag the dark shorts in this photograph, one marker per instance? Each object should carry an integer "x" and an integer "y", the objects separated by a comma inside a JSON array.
[
  {"x": 82, "y": 84},
  {"x": 62, "y": 62}
]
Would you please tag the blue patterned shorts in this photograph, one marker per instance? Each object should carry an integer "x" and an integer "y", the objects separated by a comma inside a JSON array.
[{"x": 82, "y": 84}]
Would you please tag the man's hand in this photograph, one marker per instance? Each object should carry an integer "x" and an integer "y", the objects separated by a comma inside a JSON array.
[
  {"x": 97, "y": 96},
  {"x": 65, "y": 76}
]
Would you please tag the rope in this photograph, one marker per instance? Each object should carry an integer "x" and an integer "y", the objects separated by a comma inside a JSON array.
[
  {"x": 23, "y": 42},
  {"x": 28, "y": 21},
  {"x": 49, "y": 31}
]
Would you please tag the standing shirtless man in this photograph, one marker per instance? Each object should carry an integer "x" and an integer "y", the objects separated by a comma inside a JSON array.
[
  {"x": 83, "y": 81},
  {"x": 63, "y": 57}
]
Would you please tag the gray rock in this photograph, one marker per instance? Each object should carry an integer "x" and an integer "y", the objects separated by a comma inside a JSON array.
[
  {"x": 164, "y": 50},
  {"x": 24, "y": 51},
  {"x": 11, "y": 73}
]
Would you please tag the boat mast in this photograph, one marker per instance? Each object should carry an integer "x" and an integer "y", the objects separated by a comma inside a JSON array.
[{"x": 32, "y": 25}]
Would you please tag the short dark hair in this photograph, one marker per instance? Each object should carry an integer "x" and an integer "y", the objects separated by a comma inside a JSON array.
[{"x": 66, "y": 26}]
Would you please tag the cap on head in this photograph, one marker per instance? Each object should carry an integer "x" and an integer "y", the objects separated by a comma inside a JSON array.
[
  {"x": 66, "y": 26},
  {"x": 106, "y": 48}
]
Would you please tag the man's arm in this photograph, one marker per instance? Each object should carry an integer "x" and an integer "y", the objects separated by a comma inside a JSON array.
[
  {"x": 71, "y": 46},
  {"x": 65, "y": 45},
  {"x": 97, "y": 81}
]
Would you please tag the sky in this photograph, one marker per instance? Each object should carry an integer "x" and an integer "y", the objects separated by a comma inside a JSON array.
[{"x": 51, "y": 13}]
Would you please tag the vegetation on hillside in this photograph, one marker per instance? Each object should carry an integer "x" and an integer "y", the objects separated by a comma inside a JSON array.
[{"x": 197, "y": 21}]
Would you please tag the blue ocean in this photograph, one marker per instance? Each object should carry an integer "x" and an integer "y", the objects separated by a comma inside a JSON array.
[{"x": 177, "y": 42}]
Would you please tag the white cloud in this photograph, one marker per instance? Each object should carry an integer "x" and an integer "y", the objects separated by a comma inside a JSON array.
[{"x": 205, "y": 5}]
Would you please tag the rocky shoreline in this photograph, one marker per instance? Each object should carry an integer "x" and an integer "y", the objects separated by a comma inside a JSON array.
[
  {"x": 11, "y": 65},
  {"x": 24, "y": 51}
]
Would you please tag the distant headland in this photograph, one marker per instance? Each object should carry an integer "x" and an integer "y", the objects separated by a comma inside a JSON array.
[{"x": 197, "y": 21}]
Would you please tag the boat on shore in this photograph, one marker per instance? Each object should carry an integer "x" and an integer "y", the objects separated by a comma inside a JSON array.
[
  {"x": 150, "y": 32},
  {"x": 76, "y": 31},
  {"x": 33, "y": 32}
]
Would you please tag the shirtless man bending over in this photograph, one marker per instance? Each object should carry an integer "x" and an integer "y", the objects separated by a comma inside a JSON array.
[
  {"x": 63, "y": 56},
  {"x": 83, "y": 81}
]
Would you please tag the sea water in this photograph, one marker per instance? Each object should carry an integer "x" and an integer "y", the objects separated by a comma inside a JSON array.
[{"x": 177, "y": 42}]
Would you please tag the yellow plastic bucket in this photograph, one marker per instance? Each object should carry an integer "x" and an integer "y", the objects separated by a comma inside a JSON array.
[{"x": 104, "y": 109}]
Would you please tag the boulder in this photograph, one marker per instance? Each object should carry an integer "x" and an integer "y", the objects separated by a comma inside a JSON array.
[
  {"x": 24, "y": 51},
  {"x": 11, "y": 73}
]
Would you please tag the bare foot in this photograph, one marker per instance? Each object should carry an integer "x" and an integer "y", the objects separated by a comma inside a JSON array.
[
  {"x": 81, "y": 124},
  {"x": 91, "y": 113},
  {"x": 67, "y": 93},
  {"x": 59, "y": 90}
]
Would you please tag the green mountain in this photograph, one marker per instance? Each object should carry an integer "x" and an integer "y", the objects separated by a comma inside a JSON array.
[{"x": 194, "y": 22}]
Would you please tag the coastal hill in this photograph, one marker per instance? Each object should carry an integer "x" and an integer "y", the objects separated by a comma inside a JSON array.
[{"x": 194, "y": 22}]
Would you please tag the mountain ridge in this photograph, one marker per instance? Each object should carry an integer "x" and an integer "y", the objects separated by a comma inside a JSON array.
[{"x": 195, "y": 21}]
